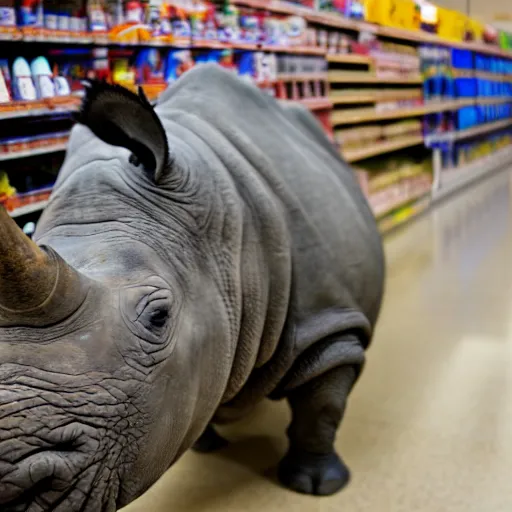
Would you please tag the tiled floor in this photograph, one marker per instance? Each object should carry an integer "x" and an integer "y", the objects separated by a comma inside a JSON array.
[{"x": 429, "y": 425}]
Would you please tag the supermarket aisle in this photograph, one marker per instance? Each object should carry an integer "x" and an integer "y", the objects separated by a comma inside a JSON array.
[{"x": 429, "y": 426}]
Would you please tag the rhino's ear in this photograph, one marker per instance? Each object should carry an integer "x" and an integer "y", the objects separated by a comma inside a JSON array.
[{"x": 121, "y": 118}]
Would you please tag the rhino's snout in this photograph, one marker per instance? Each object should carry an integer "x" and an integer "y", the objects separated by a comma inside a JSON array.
[
  {"x": 47, "y": 474},
  {"x": 34, "y": 478}
]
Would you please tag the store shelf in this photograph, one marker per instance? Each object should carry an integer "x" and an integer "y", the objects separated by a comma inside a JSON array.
[
  {"x": 493, "y": 101},
  {"x": 456, "y": 179},
  {"x": 496, "y": 77},
  {"x": 349, "y": 58},
  {"x": 33, "y": 152},
  {"x": 36, "y": 112},
  {"x": 365, "y": 115},
  {"x": 364, "y": 77},
  {"x": 29, "y": 208},
  {"x": 299, "y": 50},
  {"x": 380, "y": 148},
  {"x": 399, "y": 202},
  {"x": 481, "y": 129},
  {"x": 312, "y": 103},
  {"x": 405, "y": 215},
  {"x": 323, "y": 18},
  {"x": 344, "y": 97},
  {"x": 347, "y": 99},
  {"x": 337, "y": 21},
  {"x": 316, "y": 103},
  {"x": 302, "y": 77}
]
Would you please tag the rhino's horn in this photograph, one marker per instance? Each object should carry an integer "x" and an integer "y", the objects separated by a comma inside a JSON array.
[{"x": 37, "y": 287}]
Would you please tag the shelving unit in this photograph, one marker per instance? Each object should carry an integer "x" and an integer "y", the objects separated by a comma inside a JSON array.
[
  {"x": 453, "y": 180},
  {"x": 380, "y": 148},
  {"x": 365, "y": 115},
  {"x": 361, "y": 77},
  {"x": 55, "y": 148},
  {"x": 482, "y": 129},
  {"x": 335, "y": 20},
  {"x": 356, "y": 92},
  {"x": 28, "y": 209},
  {"x": 349, "y": 58},
  {"x": 36, "y": 112}
]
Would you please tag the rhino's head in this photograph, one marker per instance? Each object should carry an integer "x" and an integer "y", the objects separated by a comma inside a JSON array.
[{"x": 110, "y": 327}]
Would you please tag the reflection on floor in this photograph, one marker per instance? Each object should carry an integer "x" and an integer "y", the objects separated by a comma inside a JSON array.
[{"x": 429, "y": 425}]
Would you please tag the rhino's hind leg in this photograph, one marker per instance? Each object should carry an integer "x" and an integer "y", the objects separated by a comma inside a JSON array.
[
  {"x": 209, "y": 441},
  {"x": 311, "y": 465}
]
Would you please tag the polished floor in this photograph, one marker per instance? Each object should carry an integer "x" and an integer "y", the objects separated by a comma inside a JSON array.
[{"x": 429, "y": 425}]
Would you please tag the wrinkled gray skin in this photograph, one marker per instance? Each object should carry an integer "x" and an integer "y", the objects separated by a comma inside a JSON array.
[{"x": 259, "y": 258}]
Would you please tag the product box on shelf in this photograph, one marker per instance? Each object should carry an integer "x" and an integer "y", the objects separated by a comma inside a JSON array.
[
  {"x": 452, "y": 25},
  {"x": 31, "y": 19},
  {"x": 505, "y": 40},
  {"x": 6, "y": 190},
  {"x": 8, "y": 21},
  {"x": 393, "y": 13},
  {"x": 394, "y": 60}
]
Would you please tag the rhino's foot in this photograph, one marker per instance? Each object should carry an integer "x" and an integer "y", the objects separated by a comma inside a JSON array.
[
  {"x": 308, "y": 473},
  {"x": 209, "y": 441}
]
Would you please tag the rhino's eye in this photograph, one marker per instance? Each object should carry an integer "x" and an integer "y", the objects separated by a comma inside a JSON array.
[
  {"x": 156, "y": 318},
  {"x": 154, "y": 311},
  {"x": 134, "y": 160}
]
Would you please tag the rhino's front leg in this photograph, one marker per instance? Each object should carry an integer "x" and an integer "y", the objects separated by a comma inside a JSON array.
[{"x": 311, "y": 465}]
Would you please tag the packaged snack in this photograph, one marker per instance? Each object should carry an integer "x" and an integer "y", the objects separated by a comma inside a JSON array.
[
  {"x": 5, "y": 188},
  {"x": 22, "y": 84},
  {"x": 31, "y": 18},
  {"x": 210, "y": 23},
  {"x": 123, "y": 72},
  {"x": 246, "y": 65},
  {"x": 295, "y": 27},
  {"x": 276, "y": 30},
  {"x": 177, "y": 63},
  {"x": 97, "y": 17},
  {"x": 149, "y": 67},
  {"x": 5, "y": 82},
  {"x": 179, "y": 22},
  {"x": 7, "y": 19},
  {"x": 42, "y": 77},
  {"x": 226, "y": 60},
  {"x": 250, "y": 27},
  {"x": 61, "y": 86},
  {"x": 159, "y": 21},
  {"x": 228, "y": 25}
]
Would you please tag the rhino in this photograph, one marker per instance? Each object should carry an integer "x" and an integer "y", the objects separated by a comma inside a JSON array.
[{"x": 197, "y": 256}]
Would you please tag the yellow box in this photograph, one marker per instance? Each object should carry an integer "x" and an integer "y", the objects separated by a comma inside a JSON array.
[
  {"x": 476, "y": 28},
  {"x": 393, "y": 13},
  {"x": 452, "y": 24}
]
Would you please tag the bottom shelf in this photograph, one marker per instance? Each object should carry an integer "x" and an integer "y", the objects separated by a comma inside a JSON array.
[
  {"x": 404, "y": 215},
  {"x": 451, "y": 182},
  {"x": 456, "y": 179}
]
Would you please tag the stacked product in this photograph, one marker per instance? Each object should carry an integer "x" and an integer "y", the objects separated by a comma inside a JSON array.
[
  {"x": 34, "y": 86},
  {"x": 393, "y": 60},
  {"x": 465, "y": 152},
  {"x": 391, "y": 183},
  {"x": 363, "y": 136}
]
